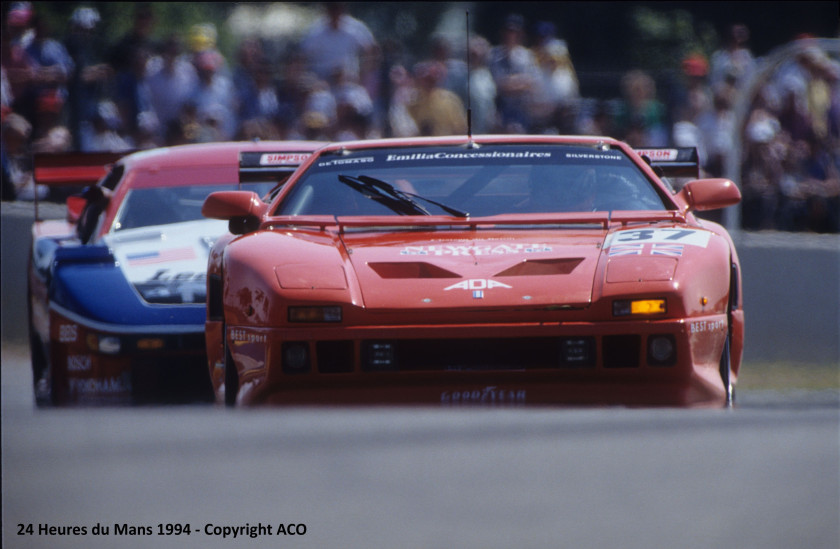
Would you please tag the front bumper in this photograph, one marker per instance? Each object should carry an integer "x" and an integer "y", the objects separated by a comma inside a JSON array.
[
  {"x": 91, "y": 363},
  {"x": 618, "y": 362}
]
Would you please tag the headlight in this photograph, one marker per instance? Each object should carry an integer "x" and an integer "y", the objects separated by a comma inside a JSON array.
[
  {"x": 109, "y": 345},
  {"x": 627, "y": 307},
  {"x": 295, "y": 357},
  {"x": 662, "y": 350},
  {"x": 315, "y": 314}
]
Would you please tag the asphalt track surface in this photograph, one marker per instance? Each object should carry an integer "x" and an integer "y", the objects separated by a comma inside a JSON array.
[{"x": 762, "y": 475}]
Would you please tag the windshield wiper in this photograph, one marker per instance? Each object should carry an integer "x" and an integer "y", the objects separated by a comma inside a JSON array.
[{"x": 401, "y": 202}]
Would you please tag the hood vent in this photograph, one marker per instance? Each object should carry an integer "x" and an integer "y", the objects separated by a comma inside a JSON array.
[
  {"x": 411, "y": 269},
  {"x": 536, "y": 267}
]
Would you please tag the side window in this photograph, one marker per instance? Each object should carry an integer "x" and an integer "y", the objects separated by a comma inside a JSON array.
[{"x": 113, "y": 177}]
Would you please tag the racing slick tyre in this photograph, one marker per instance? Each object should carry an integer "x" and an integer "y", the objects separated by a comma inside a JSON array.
[
  {"x": 41, "y": 372},
  {"x": 726, "y": 372},
  {"x": 231, "y": 379}
]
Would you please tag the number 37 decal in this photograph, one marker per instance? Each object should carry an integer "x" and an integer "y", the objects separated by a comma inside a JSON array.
[{"x": 667, "y": 236}]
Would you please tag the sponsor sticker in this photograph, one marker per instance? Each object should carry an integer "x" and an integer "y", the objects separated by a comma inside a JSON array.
[
  {"x": 160, "y": 256},
  {"x": 104, "y": 386},
  {"x": 659, "y": 155},
  {"x": 472, "y": 155},
  {"x": 345, "y": 161},
  {"x": 594, "y": 156},
  {"x": 239, "y": 335},
  {"x": 487, "y": 395},
  {"x": 702, "y": 326},
  {"x": 67, "y": 333},
  {"x": 474, "y": 250},
  {"x": 675, "y": 235},
  {"x": 79, "y": 363},
  {"x": 283, "y": 159}
]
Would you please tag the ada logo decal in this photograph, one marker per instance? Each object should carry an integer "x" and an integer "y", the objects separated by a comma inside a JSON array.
[{"x": 477, "y": 284}]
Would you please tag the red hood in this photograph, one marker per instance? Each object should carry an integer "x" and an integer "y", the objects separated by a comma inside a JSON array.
[{"x": 475, "y": 269}]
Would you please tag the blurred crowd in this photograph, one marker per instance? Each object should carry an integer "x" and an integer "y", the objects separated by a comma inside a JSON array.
[{"x": 339, "y": 82}]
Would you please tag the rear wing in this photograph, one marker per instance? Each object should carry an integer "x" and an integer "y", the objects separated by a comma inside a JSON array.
[
  {"x": 673, "y": 162},
  {"x": 71, "y": 169},
  {"x": 257, "y": 166}
]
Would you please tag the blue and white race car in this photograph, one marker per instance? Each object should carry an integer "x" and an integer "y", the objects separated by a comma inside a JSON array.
[{"x": 117, "y": 291}]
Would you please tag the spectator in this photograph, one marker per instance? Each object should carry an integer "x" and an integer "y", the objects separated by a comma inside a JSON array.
[
  {"x": 597, "y": 118},
  {"x": 354, "y": 109},
  {"x": 139, "y": 38},
  {"x": 516, "y": 75},
  {"x": 49, "y": 85},
  {"x": 338, "y": 41},
  {"x": 258, "y": 101},
  {"x": 482, "y": 88},
  {"x": 133, "y": 98},
  {"x": 5, "y": 92},
  {"x": 214, "y": 97},
  {"x": 92, "y": 78},
  {"x": 400, "y": 121},
  {"x": 641, "y": 118},
  {"x": 697, "y": 99},
  {"x": 435, "y": 110},
  {"x": 16, "y": 158},
  {"x": 293, "y": 86},
  {"x": 105, "y": 130},
  {"x": 250, "y": 57},
  {"x": 821, "y": 76},
  {"x": 455, "y": 78},
  {"x": 171, "y": 81},
  {"x": 554, "y": 103},
  {"x": 692, "y": 111},
  {"x": 810, "y": 188},
  {"x": 257, "y": 128},
  {"x": 718, "y": 135},
  {"x": 734, "y": 60},
  {"x": 765, "y": 146},
  {"x": 320, "y": 112},
  {"x": 202, "y": 37},
  {"x": 18, "y": 66}
]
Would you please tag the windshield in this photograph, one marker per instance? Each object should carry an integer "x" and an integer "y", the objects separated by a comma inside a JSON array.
[
  {"x": 147, "y": 207},
  {"x": 490, "y": 180}
]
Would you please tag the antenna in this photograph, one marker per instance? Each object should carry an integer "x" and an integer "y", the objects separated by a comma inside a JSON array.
[{"x": 469, "y": 93}]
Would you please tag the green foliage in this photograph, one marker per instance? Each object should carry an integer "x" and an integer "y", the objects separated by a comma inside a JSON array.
[{"x": 665, "y": 37}]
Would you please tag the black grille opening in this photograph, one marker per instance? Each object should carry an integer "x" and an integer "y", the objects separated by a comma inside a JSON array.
[
  {"x": 462, "y": 354},
  {"x": 621, "y": 351},
  {"x": 334, "y": 357},
  {"x": 170, "y": 379}
]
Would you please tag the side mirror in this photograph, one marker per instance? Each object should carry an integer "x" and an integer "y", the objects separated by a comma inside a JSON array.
[
  {"x": 242, "y": 209},
  {"x": 709, "y": 194}
]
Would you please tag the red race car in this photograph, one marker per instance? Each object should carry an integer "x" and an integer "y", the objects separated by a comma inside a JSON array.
[
  {"x": 117, "y": 291},
  {"x": 494, "y": 269}
]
